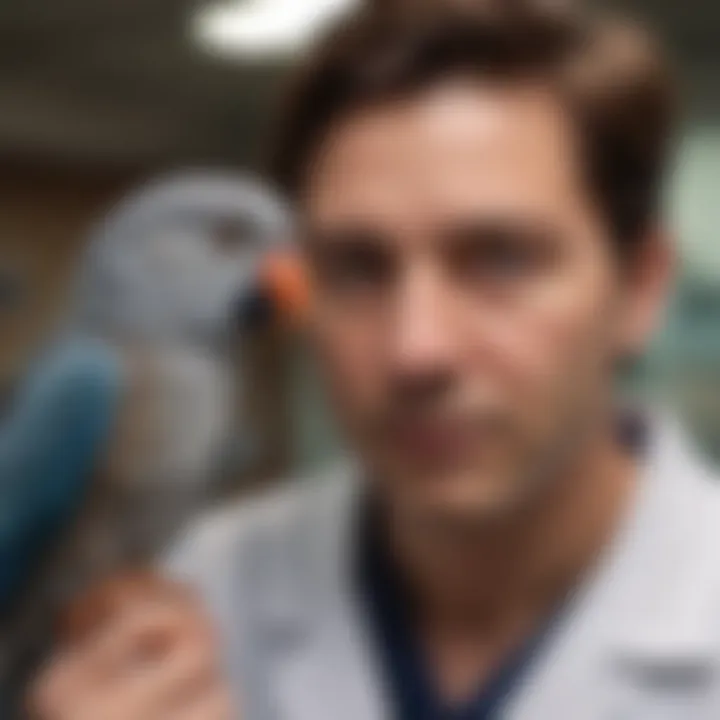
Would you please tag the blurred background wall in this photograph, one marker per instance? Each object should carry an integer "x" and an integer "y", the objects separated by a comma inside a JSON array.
[{"x": 96, "y": 95}]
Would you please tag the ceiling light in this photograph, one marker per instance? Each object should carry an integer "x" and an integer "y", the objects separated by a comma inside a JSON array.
[{"x": 264, "y": 27}]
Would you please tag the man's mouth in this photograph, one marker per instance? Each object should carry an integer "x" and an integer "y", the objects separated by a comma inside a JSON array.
[{"x": 435, "y": 440}]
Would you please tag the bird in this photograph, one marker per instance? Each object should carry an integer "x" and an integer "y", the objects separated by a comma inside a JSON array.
[{"x": 133, "y": 404}]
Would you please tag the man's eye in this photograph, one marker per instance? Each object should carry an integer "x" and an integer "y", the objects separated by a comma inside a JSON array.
[{"x": 500, "y": 257}]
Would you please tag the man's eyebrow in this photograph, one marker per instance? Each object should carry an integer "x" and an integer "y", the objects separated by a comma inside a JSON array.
[{"x": 495, "y": 227}]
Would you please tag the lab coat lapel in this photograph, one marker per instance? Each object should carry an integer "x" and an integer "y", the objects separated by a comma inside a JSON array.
[
  {"x": 329, "y": 674},
  {"x": 640, "y": 623},
  {"x": 329, "y": 678}
]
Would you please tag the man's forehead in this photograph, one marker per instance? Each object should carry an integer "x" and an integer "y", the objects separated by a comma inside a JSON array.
[{"x": 461, "y": 146}]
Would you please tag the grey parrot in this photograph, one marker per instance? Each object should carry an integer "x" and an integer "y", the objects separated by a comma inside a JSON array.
[{"x": 170, "y": 280}]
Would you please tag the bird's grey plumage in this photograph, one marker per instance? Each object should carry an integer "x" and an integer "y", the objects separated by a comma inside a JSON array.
[
  {"x": 154, "y": 284},
  {"x": 159, "y": 291}
]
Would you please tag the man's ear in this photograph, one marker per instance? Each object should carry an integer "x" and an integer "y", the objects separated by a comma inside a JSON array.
[{"x": 649, "y": 282}]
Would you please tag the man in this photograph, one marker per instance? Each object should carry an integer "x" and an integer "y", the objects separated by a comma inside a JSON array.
[{"x": 477, "y": 187}]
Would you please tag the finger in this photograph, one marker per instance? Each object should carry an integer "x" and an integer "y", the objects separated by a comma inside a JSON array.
[
  {"x": 181, "y": 678},
  {"x": 92, "y": 609},
  {"x": 56, "y": 685},
  {"x": 144, "y": 634},
  {"x": 138, "y": 693}
]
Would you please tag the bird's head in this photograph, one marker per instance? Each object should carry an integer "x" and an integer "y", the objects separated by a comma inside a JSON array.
[{"x": 191, "y": 259}]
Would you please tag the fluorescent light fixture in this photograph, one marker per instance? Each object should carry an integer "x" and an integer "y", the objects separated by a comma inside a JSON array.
[{"x": 264, "y": 27}]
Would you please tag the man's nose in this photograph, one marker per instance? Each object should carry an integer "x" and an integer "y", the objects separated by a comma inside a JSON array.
[
  {"x": 424, "y": 339},
  {"x": 279, "y": 294}
]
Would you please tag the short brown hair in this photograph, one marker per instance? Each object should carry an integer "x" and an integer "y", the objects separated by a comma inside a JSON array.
[{"x": 610, "y": 74}]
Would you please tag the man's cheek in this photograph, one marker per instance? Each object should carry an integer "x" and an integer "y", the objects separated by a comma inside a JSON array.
[
  {"x": 541, "y": 360},
  {"x": 523, "y": 351},
  {"x": 348, "y": 354},
  {"x": 352, "y": 372}
]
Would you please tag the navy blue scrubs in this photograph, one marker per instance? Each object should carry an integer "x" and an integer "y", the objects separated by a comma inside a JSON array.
[{"x": 411, "y": 687}]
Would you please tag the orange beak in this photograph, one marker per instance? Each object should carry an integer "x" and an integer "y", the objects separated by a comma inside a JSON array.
[{"x": 285, "y": 280}]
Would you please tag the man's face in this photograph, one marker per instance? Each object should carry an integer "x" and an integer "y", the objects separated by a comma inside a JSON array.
[{"x": 468, "y": 303}]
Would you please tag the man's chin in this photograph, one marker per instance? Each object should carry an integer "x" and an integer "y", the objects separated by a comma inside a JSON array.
[{"x": 467, "y": 499}]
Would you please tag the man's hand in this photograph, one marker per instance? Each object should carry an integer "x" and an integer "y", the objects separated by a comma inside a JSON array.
[{"x": 154, "y": 657}]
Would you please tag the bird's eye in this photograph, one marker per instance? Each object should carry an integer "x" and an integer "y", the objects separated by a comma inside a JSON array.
[{"x": 230, "y": 236}]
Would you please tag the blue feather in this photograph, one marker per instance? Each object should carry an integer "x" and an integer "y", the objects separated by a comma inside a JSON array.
[{"x": 53, "y": 434}]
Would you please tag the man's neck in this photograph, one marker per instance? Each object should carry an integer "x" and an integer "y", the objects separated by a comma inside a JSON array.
[{"x": 523, "y": 566}]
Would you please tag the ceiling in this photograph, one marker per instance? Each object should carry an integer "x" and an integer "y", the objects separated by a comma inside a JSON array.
[{"x": 120, "y": 81}]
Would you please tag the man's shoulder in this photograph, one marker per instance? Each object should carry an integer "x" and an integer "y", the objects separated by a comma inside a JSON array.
[{"x": 669, "y": 572}]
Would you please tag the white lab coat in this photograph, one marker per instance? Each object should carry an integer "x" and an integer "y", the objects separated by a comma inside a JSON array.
[{"x": 640, "y": 642}]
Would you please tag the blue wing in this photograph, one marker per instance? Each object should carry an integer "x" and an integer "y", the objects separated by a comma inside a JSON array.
[{"x": 51, "y": 438}]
